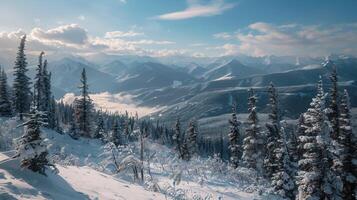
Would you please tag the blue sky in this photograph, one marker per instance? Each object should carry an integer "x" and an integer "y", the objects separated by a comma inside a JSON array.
[{"x": 189, "y": 27}]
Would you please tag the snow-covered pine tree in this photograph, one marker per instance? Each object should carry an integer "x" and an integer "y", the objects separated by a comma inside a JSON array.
[
  {"x": 315, "y": 178},
  {"x": 282, "y": 178},
  {"x": 184, "y": 148},
  {"x": 39, "y": 84},
  {"x": 348, "y": 153},
  {"x": 21, "y": 87},
  {"x": 234, "y": 137},
  {"x": 253, "y": 143},
  {"x": 334, "y": 112},
  {"x": 301, "y": 128},
  {"x": 117, "y": 138},
  {"x": 176, "y": 137},
  {"x": 83, "y": 109},
  {"x": 48, "y": 100},
  {"x": 31, "y": 148},
  {"x": 192, "y": 138},
  {"x": 52, "y": 114},
  {"x": 100, "y": 131},
  {"x": 273, "y": 135},
  {"x": 5, "y": 104}
]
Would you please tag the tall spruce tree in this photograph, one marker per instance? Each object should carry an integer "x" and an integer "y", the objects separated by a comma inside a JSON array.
[
  {"x": 39, "y": 84},
  {"x": 234, "y": 137},
  {"x": 5, "y": 104},
  {"x": 83, "y": 109},
  {"x": 334, "y": 109},
  {"x": 117, "y": 138},
  {"x": 176, "y": 137},
  {"x": 253, "y": 143},
  {"x": 192, "y": 138},
  {"x": 31, "y": 148},
  {"x": 315, "y": 179},
  {"x": 273, "y": 127},
  {"x": 283, "y": 176},
  {"x": 21, "y": 87},
  {"x": 348, "y": 150}
]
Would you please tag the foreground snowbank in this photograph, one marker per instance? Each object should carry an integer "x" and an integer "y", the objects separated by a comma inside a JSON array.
[{"x": 70, "y": 183}]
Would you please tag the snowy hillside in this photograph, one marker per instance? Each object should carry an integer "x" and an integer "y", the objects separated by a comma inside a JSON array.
[
  {"x": 86, "y": 172},
  {"x": 70, "y": 183}
]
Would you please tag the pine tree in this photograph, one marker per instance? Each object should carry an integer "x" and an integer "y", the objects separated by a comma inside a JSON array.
[
  {"x": 100, "y": 131},
  {"x": 253, "y": 143},
  {"x": 5, "y": 104},
  {"x": 334, "y": 110},
  {"x": 39, "y": 84},
  {"x": 301, "y": 128},
  {"x": 176, "y": 137},
  {"x": 116, "y": 135},
  {"x": 233, "y": 137},
  {"x": 192, "y": 138},
  {"x": 21, "y": 86},
  {"x": 83, "y": 109},
  {"x": 31, "y": 148},
  {"x": 314, "y": 175},
  {"x": 348, "y": 150},
  {"x": 273, "y": 135},
  {"x": 282, "y": 178},
  {"x": 47, "y": 94}
]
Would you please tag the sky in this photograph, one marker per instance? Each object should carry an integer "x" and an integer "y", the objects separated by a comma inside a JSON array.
[{"x": 181, "y": 27}]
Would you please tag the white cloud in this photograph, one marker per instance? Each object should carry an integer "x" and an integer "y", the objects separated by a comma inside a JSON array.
[
  {"x": 71, "y": 34},
  {"x": 196, "y": 9},
  {"x": 119, "y": 34},
  {"x": 223, "y": 35},
  {"x": 261, "y": 39}
]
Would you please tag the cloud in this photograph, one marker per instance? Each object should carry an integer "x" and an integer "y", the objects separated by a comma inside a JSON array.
[
  {"x": 260, "y": 39},
  {"x": 114, "y": 102},
  {"x": 223, "y": 35},
  {"x": 71, "y": 34},
  {"x": 120, "y": 34},
  {"x": 196, "y": 9}
]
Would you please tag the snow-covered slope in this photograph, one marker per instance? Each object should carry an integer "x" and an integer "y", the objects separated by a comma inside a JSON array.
[
  {"x": 70, "y": 183},
  {"x": 86, "y": 171}
]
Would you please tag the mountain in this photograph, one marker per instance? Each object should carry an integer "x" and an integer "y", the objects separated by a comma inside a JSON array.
[
  {"x": 115, "y": 68},
  {"x": 66, "y": 75},
  {"x": 233, "y": 69},
  {"x": 152, "y": 75}
]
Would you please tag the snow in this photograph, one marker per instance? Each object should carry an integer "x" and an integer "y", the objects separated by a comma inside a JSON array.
[
  {"x": 70, "y": 183},
  {"x": 86, "y": 172}
]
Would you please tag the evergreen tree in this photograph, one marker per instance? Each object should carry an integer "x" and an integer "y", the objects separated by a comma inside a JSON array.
[
  {"x": 315, "y": 177},
  {"x": 21, "y": 86},
  {"x": 273, "y": 127},
  {"x": 116, "y": 135},
  {"x": 233, "y": 137},
  {"x": 5, "y": 104},
  {"x": 253, "y": 143},
  {"x": 301, "y": 128},
  {"x": 348, "y": 150},
  {"x": 192, "y": 138},
  {"x": 100, "y": 131},
  {"x": 83, "y": 109},
  {"x": 39, "y": 85},
  {"x": 176, "y": 137},
  {"x": 282, "y": 178},
  {"x": 31, "y": 148},
  {"x": 47, "y": 94},
  {"x": 334, "y": 110}
]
